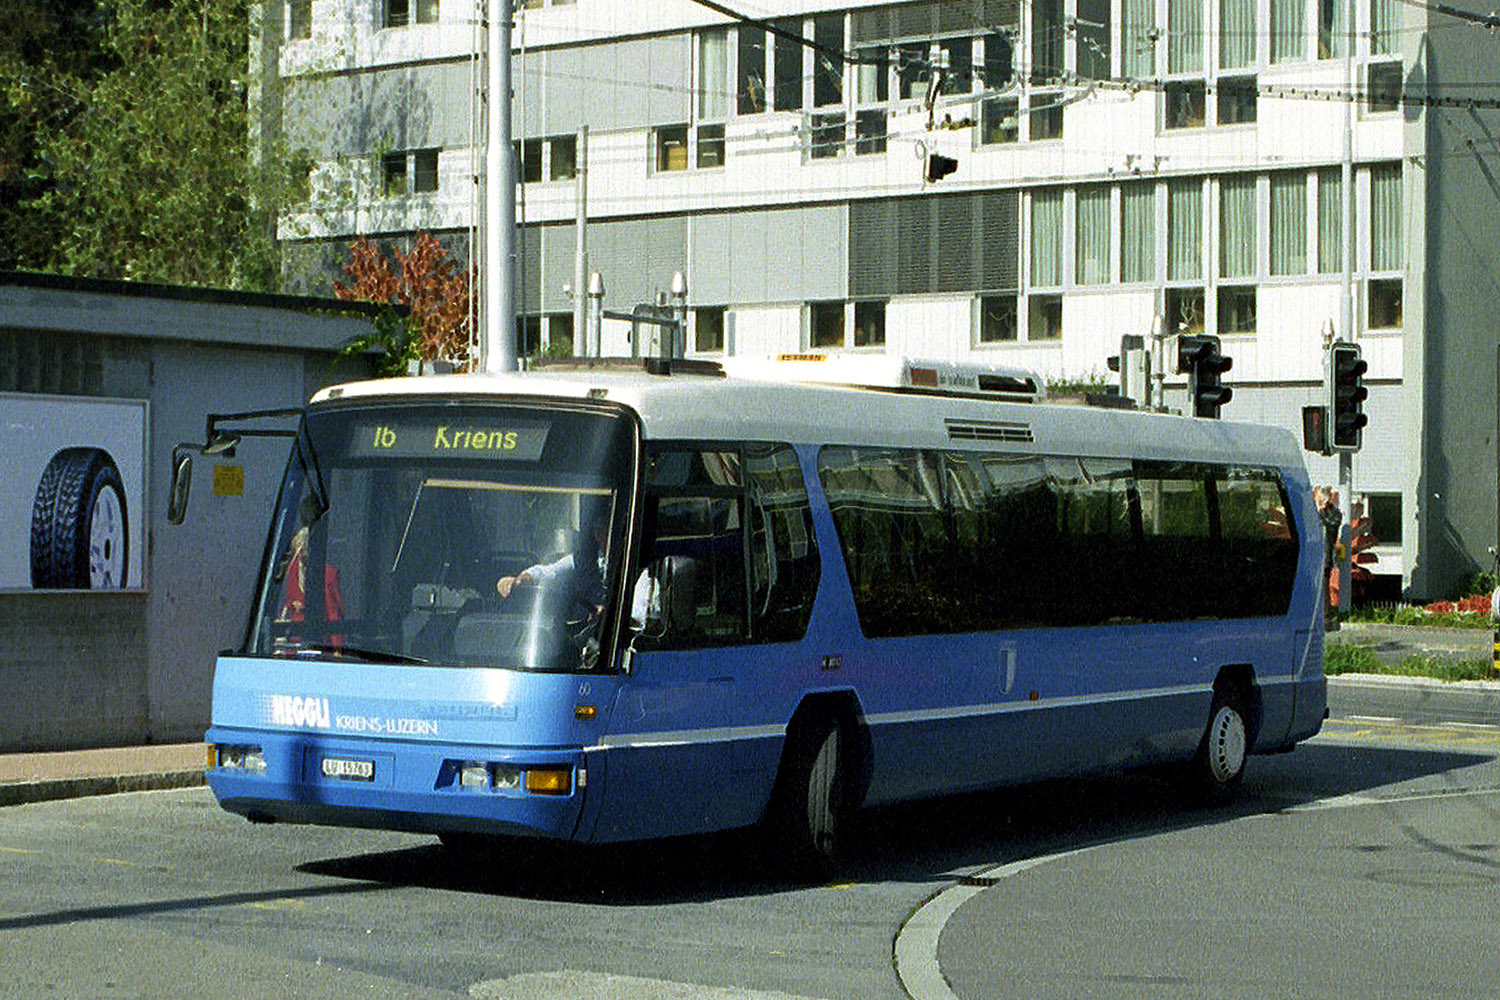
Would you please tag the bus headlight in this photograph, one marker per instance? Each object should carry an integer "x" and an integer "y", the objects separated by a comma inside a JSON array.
[{"x": 237, "y": 757}]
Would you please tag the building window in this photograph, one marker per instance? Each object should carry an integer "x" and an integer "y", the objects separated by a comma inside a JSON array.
[
  {"x": 1044, "y": 319},
  {"x": 1047, "y": 238},
  {"x": 956, "y": 56},
  {"x": 1138, "y": 38},
  {"x": 713, "y": 75},
  {"x": 1383, "y": 87},
  {"x": 708, "y": 330},
  {"x": 1001, "y": 121},
  {"x": 750, "y": 82},
  {"x": 1236, "y": 33},
  {"x": 1385, "y": 304},
  {"x": 825, "y": 324},
  {"x": 1385, "y": 517},
  {"x": 827, "y": 136},
  {"x": 912, "y": 71},
  {"x": 1237, "y": 226},
  {"x": 869, "y": 323},
  {"x": 869, "y": 131},
  {"x": 1185, "y": 36},
  {"x": 399, "y": 13},
  {"x": 788, "y": 92},
  {"x": 1385, "y": 217},
  {"x": 1237, "y": 100},
  {"x": 529, "y": 157},
  {"x": 393, "y": 174},
  {"x": 299, "y": 19},
  {"x": 999, "y": 61},
  {"x": 828, "y": 69},
  {"x": 1185, "y": 102},
  {"x": 1288, "y": 30},
  {"x": 1237, "y": 309},
  {"x": 1384, "y": 16},
  {"x": 1184, "y": 230},
  {"x": 1288, "y": 223},
  {"x": 564, "y": 150},
  {"x": 1333, "y": 31},
  {"x": 997, "y": 319},
  {"x": 1047, "y": 120},
  {"x": 710, "y": 146},
  {"x": 528, "y": 336},
  {"x": 1184, "y": 310},
  {"x": 424, "y": 174},
  {"x": 1090, "y": 29},
  {"x": 559, "y": 336},
  {"x": 1138, "y": 231},
  {"x": 1330, "y": 220},
  {"x": 1091, "y": 239},
  {"x": 1048, "y": 35},
  {"x": 671, "y": 148},
  {"x": 872, "y": 79}
]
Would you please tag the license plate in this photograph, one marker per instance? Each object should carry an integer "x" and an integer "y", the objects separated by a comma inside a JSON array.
[{"x": 348, "y": 770}]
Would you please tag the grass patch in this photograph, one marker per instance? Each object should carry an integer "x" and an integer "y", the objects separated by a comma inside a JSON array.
[
  {"x": 1348, "y": 658},
  {"x": 1408, "y": 614}
]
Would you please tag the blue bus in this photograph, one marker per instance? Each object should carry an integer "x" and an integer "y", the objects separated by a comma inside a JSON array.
[{"x": 611, "y": 601}]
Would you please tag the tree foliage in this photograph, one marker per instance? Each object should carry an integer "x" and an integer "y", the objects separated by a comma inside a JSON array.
[
  {"x": 429, "y": 284},
  {"x": 125, "y": 143}
]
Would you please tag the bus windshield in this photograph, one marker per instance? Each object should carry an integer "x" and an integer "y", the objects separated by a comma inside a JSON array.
[{"x": 450, "y": 535}]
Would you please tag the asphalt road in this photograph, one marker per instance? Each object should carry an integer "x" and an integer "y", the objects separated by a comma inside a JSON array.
[{"x": 1364, "y": 864}]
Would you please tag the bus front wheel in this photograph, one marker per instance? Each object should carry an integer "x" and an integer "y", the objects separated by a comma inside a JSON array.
[
  {"x": 810, "y": 807},
  {"x": 1219, "y": 765}
]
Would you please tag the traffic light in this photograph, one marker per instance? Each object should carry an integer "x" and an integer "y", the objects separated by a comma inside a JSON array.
[
  {"x": 1346, "y": 397},
  {"x": 940, "y": 166},
  {"x": 1199, "y": 356}
]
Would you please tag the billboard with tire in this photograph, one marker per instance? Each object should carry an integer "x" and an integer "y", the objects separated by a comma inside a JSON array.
[{"x": 72, "y": 499}]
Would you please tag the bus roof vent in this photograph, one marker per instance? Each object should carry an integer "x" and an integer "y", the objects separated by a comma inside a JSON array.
[
  {"x": 881, "y": 371},
  {"x": 1010, "y": 431}
]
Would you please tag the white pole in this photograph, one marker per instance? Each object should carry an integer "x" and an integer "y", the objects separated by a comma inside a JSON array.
[
  {"x": 1346, "y": 303},
  {"x": 581, "y": 246},
  {"x": 498, "y": 339}
]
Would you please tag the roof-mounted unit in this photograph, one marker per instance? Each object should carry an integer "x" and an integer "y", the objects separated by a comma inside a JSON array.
[{"x": 894, "y": 374}]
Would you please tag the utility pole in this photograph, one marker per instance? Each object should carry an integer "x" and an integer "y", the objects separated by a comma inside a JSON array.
[{"x": 497, "y": 341}]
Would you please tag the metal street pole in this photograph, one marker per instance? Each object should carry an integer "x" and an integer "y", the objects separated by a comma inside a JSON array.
[
  {"x": 1346, "y": 304},
  {"x": 581, "y": 245},
  {"x": 497, "y": 343}
]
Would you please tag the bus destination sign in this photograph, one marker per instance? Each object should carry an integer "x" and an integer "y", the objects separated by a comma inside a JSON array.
[{"x": 507, "y": 440}]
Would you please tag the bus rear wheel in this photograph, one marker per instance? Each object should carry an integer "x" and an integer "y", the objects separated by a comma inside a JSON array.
[
  {"x": 810, "y": 806},
  {"x": 1219, "y": 765}
]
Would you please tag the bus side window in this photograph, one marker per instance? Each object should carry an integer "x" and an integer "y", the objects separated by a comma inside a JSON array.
[{"x": 784, "y": 563}]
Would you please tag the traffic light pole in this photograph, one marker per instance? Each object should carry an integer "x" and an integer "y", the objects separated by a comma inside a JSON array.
[{"x": 1345, "y": 562}]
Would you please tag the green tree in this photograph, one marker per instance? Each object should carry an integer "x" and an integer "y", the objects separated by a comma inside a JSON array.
[{"x": 142, "y": 167}]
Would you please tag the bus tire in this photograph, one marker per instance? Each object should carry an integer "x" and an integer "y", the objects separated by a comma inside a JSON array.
[
  {"x": 1219, "y": 765},
  {"x": 810, "y": 804},
  {"x": 80, "y": 535}
]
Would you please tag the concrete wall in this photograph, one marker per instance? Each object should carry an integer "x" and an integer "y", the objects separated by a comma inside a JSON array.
[{"x": 99, "y": 668}]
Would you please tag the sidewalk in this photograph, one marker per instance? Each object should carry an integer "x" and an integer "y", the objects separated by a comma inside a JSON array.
[{"x": 37, "y": 777}]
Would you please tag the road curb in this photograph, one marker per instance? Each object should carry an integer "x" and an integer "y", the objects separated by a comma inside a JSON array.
[{"x": 49, "y": 789}]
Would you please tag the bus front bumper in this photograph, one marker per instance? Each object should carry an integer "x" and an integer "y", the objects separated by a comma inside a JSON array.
[{"x": 417, "y": 787}]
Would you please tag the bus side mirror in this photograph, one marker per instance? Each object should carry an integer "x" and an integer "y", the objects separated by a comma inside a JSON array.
[{"x": 182, "y": 485}]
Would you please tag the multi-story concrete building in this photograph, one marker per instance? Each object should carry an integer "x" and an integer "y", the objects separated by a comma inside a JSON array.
[{"x": 1119, "y": 164}]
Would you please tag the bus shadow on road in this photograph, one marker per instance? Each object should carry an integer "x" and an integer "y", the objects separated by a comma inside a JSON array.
[{"x": 935, "y": 840}]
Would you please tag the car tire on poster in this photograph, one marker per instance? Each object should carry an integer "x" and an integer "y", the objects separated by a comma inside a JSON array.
[{"x": 80, "y": 534}]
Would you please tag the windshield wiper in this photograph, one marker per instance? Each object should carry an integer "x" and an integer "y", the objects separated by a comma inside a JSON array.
[{"x": 358, "y": 653}]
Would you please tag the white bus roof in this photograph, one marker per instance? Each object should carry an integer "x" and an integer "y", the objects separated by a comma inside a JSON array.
[{"x": 700, "y": 401}]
